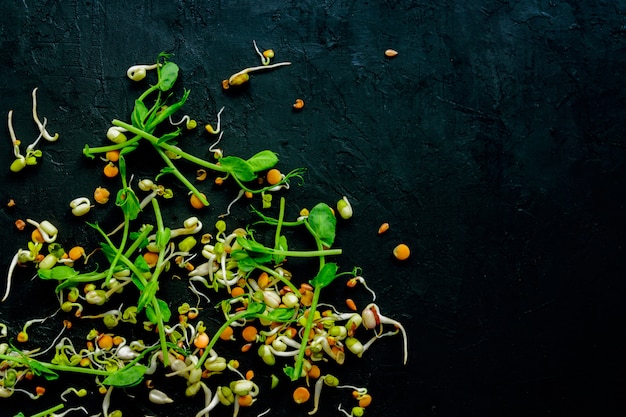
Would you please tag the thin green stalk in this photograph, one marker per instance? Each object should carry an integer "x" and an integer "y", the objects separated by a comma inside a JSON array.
[
  {"x": 279, "y": 277},
  {"x": 305, "y": 336},
  {"x": 113, "y": 147},
  {"x": 49, "y": 411},
  {"x": 181, "y": 177},
  {"x": 54, "y": 367},
  {"x": 155, "y": 277},
  {"x": 155, "y": 141},
  {"x": 217, "y": 334}
]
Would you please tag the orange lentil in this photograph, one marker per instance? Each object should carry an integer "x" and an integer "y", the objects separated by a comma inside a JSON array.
[
  {"x": 273, "y": 176},
  {"x": 249, "y": 334},
  {"x": 227, "y": 334},
  {"x": 105, "y": 342},
  {"x": 40, "y": 390},
  {"x": 401, "y": 252},
  {"x": 113, "y": 156},
  {"x": 352, "y": 282},
  {"x": 101, "y": 195},
  {"x": 11, "y": 203},
  {"x": 301, "y": 395},
  {"x": 110, "y": 170},
  {"x": 249, "y": 374},
  {"x": 365, "y": 400},
  {"x": 36, "y": 236},
  {"x": 201, "y": 341},
  {"x": 383, "y": 228},
  {"x": 245, "y": 400},
  {"x": 20, "y": 224},
  {"x": 237, "y": 292},
  {"x": 151, "y": 258},
  {"x": 351, "y": 304},
  {"x": 246, "y": 347},
  {"x": 248, "y": 194},
  {"x": 117, "y": 340},
  {"x": 192, "y": 314},
  {"x": 22, "y": 337},
  {"x": 195, "y": 201},
  {"x": 314, "y": 372},
  {"x": 76, "y": 253}
]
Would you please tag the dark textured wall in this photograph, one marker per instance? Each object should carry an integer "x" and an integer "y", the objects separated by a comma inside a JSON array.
[{"x": 493, "y": 144}]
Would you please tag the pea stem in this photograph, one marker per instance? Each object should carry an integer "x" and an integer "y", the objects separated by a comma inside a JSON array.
[{"x": 177, "y": 151}]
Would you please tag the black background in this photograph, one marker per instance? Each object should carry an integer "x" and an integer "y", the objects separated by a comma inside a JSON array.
[{"x": 492, "y": 144}]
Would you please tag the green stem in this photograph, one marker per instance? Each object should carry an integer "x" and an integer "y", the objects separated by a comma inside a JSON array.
[
  {"x": 307, "y": 253},
  {"x": 217, "y": 334},
  {"x": 49, "y": 411},
  {"x": 280, "y": 278},
  {"x": 281, "y": 215},
  {"x": 155, "y": 141},
  {"x": 113, "y": 147},
  {"x": 155, "y": 277},
  {"x": 181, "y": 177},
  {"x": 305, "y": 336},
  {"x": 53, "y": 367}
]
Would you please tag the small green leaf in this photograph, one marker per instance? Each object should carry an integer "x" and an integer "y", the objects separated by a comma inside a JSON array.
[
  {"x": 323, "y": 223},
  {"x": 168, "y": 76},
  {"x": 60, "y": 272},
  {"x": 326, "y": 275},
  {"x": 238, "y": 168},
  {"x": 129, "y": 203},
  {"x": 40, "y": 369},
  {"x": 163, "y": 237},
  {"x": 164, "y": 309},
  {"x": 126, "y": 377},
  {"x": 282, "y": 246},
  {"x": 169, "y": 137},
  {"x": 262, "y": 161},
  {"x": 280, "y": 315},
  {"x": 139, "y": 115}
]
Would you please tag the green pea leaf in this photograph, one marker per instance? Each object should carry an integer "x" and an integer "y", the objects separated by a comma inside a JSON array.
[
  {"x": 238, "y": 168},
  {"x": 168, "y": 76},
  {"x": 282, "y": 246},
  {"x": 322, "y": 223},
  {"x": 40, "y": 369},
  {"x": 129, "y": 203},
  {"x": 262, "y": 161},
  {"x": 325, "y": 276},
  {"x": 164, "y": 309},
  {"x": 61, "y": 272},
  {"x": 166, "y": 113},
  {"x": 126, "y": 377},
  {"x": 139, "y": 114},
  {"x": 255, "y": 308},
  {"x": 280, "y": 315},
  {"x": 169, "y": 137}
]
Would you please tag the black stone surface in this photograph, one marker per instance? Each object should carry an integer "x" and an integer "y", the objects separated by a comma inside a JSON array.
[{"x": 493, "y": 145}]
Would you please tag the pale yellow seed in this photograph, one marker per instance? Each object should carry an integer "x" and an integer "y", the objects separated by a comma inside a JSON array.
[{"x": 390, "y": 53}]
